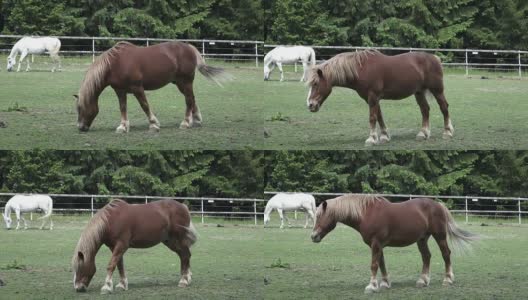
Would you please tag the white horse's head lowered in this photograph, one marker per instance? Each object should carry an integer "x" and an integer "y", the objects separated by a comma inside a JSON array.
[
  {"x": 267, "y": 70},
  {"x": 7, "y": 221},
  {"x": 11, "y": 62}
]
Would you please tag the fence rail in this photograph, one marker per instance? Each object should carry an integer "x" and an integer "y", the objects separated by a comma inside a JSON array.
[
  {"x": 240, "y": 208},
  {"x": 461, "y": 207}
]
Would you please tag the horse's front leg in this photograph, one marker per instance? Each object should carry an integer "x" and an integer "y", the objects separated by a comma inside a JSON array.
[
  {"x": 279, "y": 65},
  {"x": 373, "y": 103},
  {"x": 185, "y": 266},
  {"x": 424, "y": 279},
  {"x": 425, "y": 132},
  {"x": 124, "y": 126},
  {"x": 385, "y": 283},
  {"x": 117, "y": 254},
  {"x": 281, "y": 215},
  {"x": 442, "y": 102},
  {"x": 384, "y": 137},
  {"x": 123, "y": 282},
  {"x": 142, "y": 99},
  {"x": 373, "y": 287}
]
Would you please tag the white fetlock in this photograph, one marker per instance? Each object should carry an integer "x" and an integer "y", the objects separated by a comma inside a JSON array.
[
  {"x": 423, "y": 281},
  {"x": 385, "y": 284},
  {"x": 154, "y": 128},
  {"x": 106, "y": 289},
  {"x": 122, "y": 285},
  {"x": 371, "y": 141},
  {"x": 447, "y": 135},
  {"x": 447, "y": 281},
  {"x": 183, "y": 282},
  {"x": 384, "y": 138},
  {"x": 372, "y": 288},
  {"x": 185, "y": 125},
  {"x": 424, "y": 134},
  {"x": 121, "y": 129}
]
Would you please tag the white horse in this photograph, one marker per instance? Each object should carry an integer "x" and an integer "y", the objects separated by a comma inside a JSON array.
[
  {"x": 28, "y": 203},
  {"x": 31, "y": 45},
  {"x": 288, "y": 55},
  {"x": 289, "y": 202}
]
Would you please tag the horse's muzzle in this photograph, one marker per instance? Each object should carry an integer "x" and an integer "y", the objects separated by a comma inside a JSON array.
[
  {"x": 316, "y": 238},
  {"x": 313, "y": 107},
  {"x": 81, "y": 288},
  {"x": 83, "y": 128}
]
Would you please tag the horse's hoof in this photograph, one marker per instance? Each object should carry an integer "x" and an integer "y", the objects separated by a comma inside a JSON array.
[
  {"x": 154, "y": 128},
  {"x": 384, "y": 139},
  {"x": 371, "y": 289},
  {"x": 447, "y": 135},
  {"x": 385, "y": 285},
  {"x": 370, "y": 142},
  {"x": 106, "y": 290},
  {"x": 121, "y": 129},
  {"x": 422, "y": 136},
  {"x": 447, "y": 282},
  {"x": 121, "y": 286},
  {"x": 183, "y": 283},
  {"x": 185, "y": 125},
  {"x": 421, "y": 283},
  {"x": 196, "y": 124}
]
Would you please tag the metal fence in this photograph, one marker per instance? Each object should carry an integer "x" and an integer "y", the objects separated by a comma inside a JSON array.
[
  {"x": 500, "y": 61},
  {"x": 507, "y": 61},
  {"x": 227, "y": 50},
  {"x": 513, "y": 208},
  {"x": 206, "y": 207}
]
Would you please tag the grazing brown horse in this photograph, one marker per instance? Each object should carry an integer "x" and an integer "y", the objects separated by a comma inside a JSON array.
[
  {"x": 375, "y": 76},
  {"x": 131, "y": 69},
  {"x": 383, "y": 224},
  {"x": 120, "y": 226}
]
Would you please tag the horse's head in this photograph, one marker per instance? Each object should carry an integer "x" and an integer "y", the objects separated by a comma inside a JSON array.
[
  {"x": 84, "y": 270},
  {"x": 7, "y": 221},
  {"x": 266, "y": 219},
  {"x": 10, "y": 63},
  {"x": 86, "y": 113},
  {"x": 267, "y": 71},
  {"x": 320, "y": 89},
  {"x": 325, "y": 223}
]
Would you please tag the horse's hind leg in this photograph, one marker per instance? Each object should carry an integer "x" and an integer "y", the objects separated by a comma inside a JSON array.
[
  {"x": 123, "y": 282},
  {"x": 185, "y": 262},
  {"x": 442, "y": 102},
  {"x": 385, "y": 283},
  {"x": 124, "y": 126},
  {"x": 423, "y": 281},
  {"x": 279, "y": 65},
  {"x": 425, "y": 132},
  {"x": 384, "y": 136},
  {"x": 376, "y": 255},
  {"x": 154, "y": 123},
  {"x": 441, "y": 239},
  {"x": 193, "y": 117},
  {"x": 373, "y": 103}
]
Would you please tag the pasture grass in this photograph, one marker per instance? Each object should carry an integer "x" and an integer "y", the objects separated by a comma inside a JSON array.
[
  {"x": 250, "y": 113},
  {"x": 252, "y": 262}
]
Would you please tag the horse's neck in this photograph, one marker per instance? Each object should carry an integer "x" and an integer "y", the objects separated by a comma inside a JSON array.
[
  {"x": 14, "y": 52},
  {"x": 7, "y": 209}
]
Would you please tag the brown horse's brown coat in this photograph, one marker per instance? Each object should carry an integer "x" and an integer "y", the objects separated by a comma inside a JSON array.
[
  {"x": 385, "y": 224},
  {"x": 130, "y": 69},
  {"x": 120, "y": 226},
  {"x": 375, "y": 76}
]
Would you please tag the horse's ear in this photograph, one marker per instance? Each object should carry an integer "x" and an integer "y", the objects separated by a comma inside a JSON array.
[
  {"x": 320, "y": 73},
  {"x": 324, "y": 205},
  {"x": 80, "y": 256}
]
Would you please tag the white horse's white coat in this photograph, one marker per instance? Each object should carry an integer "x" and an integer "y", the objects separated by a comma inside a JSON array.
[
  {"x": 287, "y": 55},
  {"x": 290, "y": 202},
  {"x": 28, "y": 203},
  {"x": 31, "y": 45}
]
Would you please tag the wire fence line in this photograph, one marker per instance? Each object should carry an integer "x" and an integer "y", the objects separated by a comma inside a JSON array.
[
  {"x": 230, "y": 208},
  {"x": 509, "y": 61},
  {"x": 510, "y": 207}
]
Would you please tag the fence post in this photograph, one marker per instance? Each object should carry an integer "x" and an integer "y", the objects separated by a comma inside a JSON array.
[
  {"x": 467, "y": 72},
  {"x": 148, "y": 42},
  {"x": 146, "y": 199},
  {"x": 520, "y": 218},
  {"x": 520, "y": 65},
  {"x": 93, "y": 49},
  {"x": 255, "y": 210},
  {"x": 256, "y": 55},
  {"x": 202, "y": 211},
  {"x": 203, "y": 52},
  {"x": 466, "y": 211},
  {"x": 91, "y": 205}
]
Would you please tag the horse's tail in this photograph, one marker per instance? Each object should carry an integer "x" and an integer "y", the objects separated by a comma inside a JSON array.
[
  {"x": 191, "y": 235},
  {"x": 460, "y": 239},
  {"x": 49, "y": 211},
  {"x": 312, "y": 57},
  {"x": 215, "y": 74}
]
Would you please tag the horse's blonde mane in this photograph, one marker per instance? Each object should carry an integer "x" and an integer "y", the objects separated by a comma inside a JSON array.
[
  {"x": 341, "y": 68},
  {"x": 95, "y": 76},
  {"x": 91, "y": 237},
  {"x": 351, "y": 206}
]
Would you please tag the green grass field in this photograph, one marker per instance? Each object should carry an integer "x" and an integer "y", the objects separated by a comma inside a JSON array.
[
  {"x": 241, "y": 262},
  {"x": 38, "y": 108}
]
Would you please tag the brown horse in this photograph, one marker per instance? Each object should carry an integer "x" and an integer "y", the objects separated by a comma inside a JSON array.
[
  {"x": 383, "y": 224},
  {"x": 131, "y": 69},
  {"x": 375, "y": 76},
  {"x": 120, "y": 226}
]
